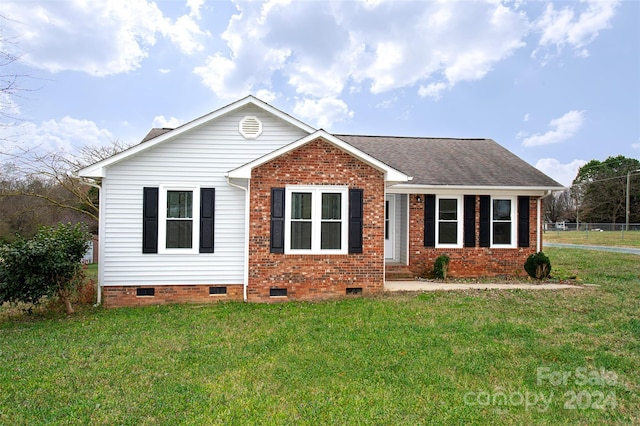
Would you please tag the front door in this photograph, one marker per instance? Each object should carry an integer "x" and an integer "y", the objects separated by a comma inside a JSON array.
[{"x": 389, "y": 226}]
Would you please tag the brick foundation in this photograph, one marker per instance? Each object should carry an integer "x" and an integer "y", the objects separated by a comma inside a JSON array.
[
  {"x": 119, "y": 296},
  {"x": 314, "y": 277},
  {"x": 469, "y": 261}
]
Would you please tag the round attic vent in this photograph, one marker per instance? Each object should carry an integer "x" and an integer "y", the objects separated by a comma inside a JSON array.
[{"x": 250, "y": 127}]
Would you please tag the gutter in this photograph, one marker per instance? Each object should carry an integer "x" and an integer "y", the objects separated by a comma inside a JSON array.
[{"x": 245, "y": 278}]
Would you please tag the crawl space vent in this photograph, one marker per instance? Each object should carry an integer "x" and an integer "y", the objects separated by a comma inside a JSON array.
[{"x": 250, "y": 127}]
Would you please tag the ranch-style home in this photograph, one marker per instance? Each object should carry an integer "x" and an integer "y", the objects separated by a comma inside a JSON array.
[{"x": 249, "y": 203}]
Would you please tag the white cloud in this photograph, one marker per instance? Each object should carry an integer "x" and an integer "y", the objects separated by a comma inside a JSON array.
[
  {"x": 526, "y": 118},
  {"x": 562, "y": 128},
  {"x": 323, "y": 112},
  {"x": 568, "y": 27},
  {"x": 169, "y": 123},
  {"x": 98, "y": 38},
  {"x": 635, "y": 145},
  {"x": 563, "y": 173},
  {"x": 187, "y": 35},
  {"x": 164, "y": 70},
  {"x": 195, "y": 6},
  {"x": 433, "y": 90},
  {"x": 266, "y": 95},
  {"x": 379, "y": 46},
  {"x": 66, "y": 135}
]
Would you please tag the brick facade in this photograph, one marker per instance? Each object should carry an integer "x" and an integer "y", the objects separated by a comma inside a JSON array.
[
  {"x": 119, "y": 296},
  {"x": 313, "y": 277},
  {"x": 468, "y": 261}
]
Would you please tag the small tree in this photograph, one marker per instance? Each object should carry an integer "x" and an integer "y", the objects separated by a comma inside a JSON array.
[
  {"x": 441, "y": 266},
  {"x": 538, "y": 266},
  {"x": 47, "y": 265}
]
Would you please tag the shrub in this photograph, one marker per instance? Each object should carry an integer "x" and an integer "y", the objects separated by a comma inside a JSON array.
[
  {"x": 47, "y": 265},
  {"x": 538, "y": 266},
  {"x": 441, "y": 266}
]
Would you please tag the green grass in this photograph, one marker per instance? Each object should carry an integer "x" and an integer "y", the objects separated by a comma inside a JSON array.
[
  {"x": 605, "y": 238},
  {"x": 397, "y": 359}
]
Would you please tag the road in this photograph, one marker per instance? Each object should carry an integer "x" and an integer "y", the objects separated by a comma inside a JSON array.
[{"x": 629, "y": 250}]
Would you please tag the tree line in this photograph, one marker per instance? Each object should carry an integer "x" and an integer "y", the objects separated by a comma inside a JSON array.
[{"x": 598, "y": 193}]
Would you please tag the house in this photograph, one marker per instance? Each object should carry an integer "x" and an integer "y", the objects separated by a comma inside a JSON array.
[{"x": 249, "y": 203}]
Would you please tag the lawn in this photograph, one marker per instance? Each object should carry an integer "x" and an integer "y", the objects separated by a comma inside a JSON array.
[
  {"x": 596, "y": 238},
  {"x": 469, "y": 357}
]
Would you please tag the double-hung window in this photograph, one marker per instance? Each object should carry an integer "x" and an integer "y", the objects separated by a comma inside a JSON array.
[
  {"x": 178, "y": 226},
  {"x": 449, "y": 222},
  {"x": 316, "y": 219},
  {"x": 503, "y": 223}
]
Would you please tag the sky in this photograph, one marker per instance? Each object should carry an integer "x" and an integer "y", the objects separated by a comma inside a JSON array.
[{"x": 556, "y": 83}]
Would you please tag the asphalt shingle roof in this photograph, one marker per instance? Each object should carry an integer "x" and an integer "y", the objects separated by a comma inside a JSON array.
[
  {"x": 155, "y": 132},
  {"x": 443, "y": 161}
]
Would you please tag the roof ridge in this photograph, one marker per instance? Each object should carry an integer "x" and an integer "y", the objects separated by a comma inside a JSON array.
[{"x": 412, "y": 137}]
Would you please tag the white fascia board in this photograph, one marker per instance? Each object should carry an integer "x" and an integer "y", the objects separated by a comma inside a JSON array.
[
  {"x": 98, "y": 169},
  {"x": 390, "y": 174},
  {"x": 535, "y": 191}
]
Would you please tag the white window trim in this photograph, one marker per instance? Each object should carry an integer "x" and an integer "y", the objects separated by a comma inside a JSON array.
[
  {"x": 513, "y": 221},
  {"x": 162, "y": 219},
  {"x": 459, "y": 205},
  {"x": 316, "y": 218}
]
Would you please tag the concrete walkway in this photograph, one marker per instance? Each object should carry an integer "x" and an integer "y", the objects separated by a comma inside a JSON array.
[
  {"x": 434, "y": 286},
  {"x": 629, "y": 250}
]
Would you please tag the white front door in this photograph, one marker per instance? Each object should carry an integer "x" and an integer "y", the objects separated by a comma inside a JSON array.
[{"x": 389, "y": 226}]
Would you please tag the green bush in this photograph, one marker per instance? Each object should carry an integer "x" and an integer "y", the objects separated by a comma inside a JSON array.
[
  {"x": 538, "y": 266},
  {"x": 441, "y": 266},
  {"x": 47, "y": 265}
]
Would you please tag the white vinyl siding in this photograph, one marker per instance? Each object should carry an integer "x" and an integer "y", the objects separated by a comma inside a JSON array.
[{"x": 202, "y": 157}]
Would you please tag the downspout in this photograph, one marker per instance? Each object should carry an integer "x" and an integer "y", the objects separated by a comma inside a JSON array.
[
  {"x": 538, "y": 220},
  {"x": 92, "y": 183},
  {"x": 538, "y": 236},
  {"x": 246, "y": 235}
]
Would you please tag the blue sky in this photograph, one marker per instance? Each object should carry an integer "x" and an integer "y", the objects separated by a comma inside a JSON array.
[{"x": 557, "y": 83}]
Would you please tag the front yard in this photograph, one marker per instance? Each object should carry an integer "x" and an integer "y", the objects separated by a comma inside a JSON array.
[{"x": 499, "y": 357}]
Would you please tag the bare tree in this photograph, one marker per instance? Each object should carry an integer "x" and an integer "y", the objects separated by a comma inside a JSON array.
[
  {"x": 12, "y": 81},
  {"x": 56, "y": 171},
  {"x": 39, "y": 188},
  {"x": 559, "y": 207}
]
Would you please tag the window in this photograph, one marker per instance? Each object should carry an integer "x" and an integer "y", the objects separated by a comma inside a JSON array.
[
  {"x": 449, "y": 228},
  {"x": 316, "y": 220},
  {"x": 179, "y": 219},
  {"x": 178, "y": 231},
  {"x": 503, "y": 222}
]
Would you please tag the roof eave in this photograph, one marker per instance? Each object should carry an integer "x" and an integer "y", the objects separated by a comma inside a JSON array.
[
  {"x": 408, "y": 188},
  {"x": 391, "y": 174},
  {"x": 99, "y": 169}
]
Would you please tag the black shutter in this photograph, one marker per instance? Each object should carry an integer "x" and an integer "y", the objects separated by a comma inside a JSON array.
[
  {"x": 523, "y": 221},
  {"x": 469, "y": 228},
  {"x": 207, "y": 216},
  {"x": 430, "y": 220},
  {"x": 355, "y": 220},
  {"x": 485, "y": 221},
  {"x": 150, "y": 220},
  {"x": 277, "y": 220}
]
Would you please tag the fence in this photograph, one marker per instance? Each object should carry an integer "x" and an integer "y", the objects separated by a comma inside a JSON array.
[{"x": 585, "y": 226}]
